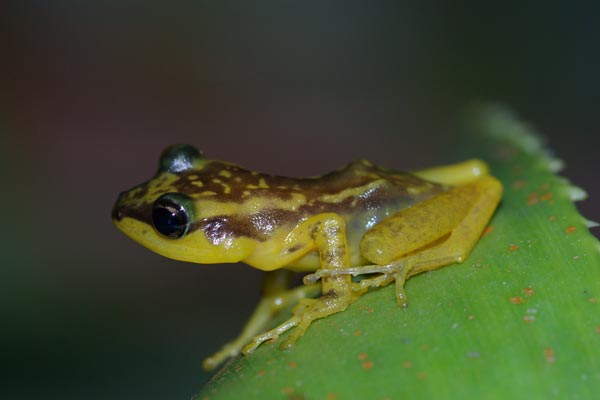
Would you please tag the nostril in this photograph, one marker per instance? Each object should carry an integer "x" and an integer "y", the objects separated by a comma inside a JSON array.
[{"x": 117, "y": 213}]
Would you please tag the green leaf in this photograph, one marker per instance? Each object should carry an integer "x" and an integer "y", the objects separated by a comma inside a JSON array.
[{"x": 518, "y": 319}]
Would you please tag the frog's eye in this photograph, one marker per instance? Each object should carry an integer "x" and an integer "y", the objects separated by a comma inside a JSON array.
[
  {"x": 172, "y": 215},
  {"x": 178, "y": 157}
]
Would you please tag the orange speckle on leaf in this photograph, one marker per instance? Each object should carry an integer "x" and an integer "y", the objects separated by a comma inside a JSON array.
[
  {"x": 331, "y": 396},
  {"x": 592, "y": 300},
  {"x": 513, "y": 247},
  {"x": 367, "y": 365},
  {"x": 407, "y": 364},
  {"x": 570, "y": 229},
  {"x": 488, "y": 229},
  {"x": 362, "y": 356},
  {"x": 552, "y": 218},
  {"x": 292, "y": 365},
  {"x": 532, "y": 199},
  {"x": 270, "y": 361},
  {"x": 358, "y": 333},
  {"x": 288, "y": 390},
  {"x": 528, "y": 291},
  {"x": 424, "y": 347},
  {"x": 598, "y": 330},
  {"x": 546, "y": 196},
  {"x": 421, "y": 375},
  {"x": 549, "y": 355},
  {"x": 262, "y": 372},
  {"x": 516, "y": 300}
]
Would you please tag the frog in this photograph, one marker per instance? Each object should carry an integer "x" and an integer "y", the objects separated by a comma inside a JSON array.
[{"x": 358, "y": 228}]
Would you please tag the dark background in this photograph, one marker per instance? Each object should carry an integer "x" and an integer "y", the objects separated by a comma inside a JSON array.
[{"x": 92, "y": 91}]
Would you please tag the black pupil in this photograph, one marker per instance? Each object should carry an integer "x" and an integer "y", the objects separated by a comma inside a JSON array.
[{"x": 170, "y": 220}]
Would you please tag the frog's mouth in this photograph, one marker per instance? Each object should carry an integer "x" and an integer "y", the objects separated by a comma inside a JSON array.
[
  {"x": 142, "y": 233},
  {"x": 194, "y": 247}
]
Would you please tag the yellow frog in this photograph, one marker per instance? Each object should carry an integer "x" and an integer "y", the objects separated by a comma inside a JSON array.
[{"x": 363, "y": 220}]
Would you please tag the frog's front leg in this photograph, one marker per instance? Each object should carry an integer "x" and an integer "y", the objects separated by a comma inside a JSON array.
[
  {"x": 275, "y": 297},
  {"x": 325, "y": 233}
]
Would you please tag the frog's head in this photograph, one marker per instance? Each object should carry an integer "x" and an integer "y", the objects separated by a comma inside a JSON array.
[{"x": 162, "y": 214}]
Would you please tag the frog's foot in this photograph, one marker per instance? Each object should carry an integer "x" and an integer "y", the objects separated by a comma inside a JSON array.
[
  {"x": 305, "y": 313},
  {"x": 274, "y": 333},
  {"x": 267, "y": 307},
  {"x": 399, "y": 273},
  {"x": 228, "y": 350},
  {"x": 383, "y": 279},
  {"x": 395, "y": 271},
  {"x": 401, "y": 277}
]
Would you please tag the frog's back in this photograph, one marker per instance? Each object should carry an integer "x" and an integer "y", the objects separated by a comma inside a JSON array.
[
  {"x": 356, "y": 188},
  {"x": 361, "y": 187}
]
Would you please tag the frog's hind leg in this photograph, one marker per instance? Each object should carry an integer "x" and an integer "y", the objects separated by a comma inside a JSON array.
[
  {"x": 455, "y": 174},
  {"x": 275, "y": 297},
  {"x": 482, "y": 195}
]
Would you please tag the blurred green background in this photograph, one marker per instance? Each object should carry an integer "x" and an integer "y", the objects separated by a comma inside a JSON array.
[{"x": 92, "y": 92}]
